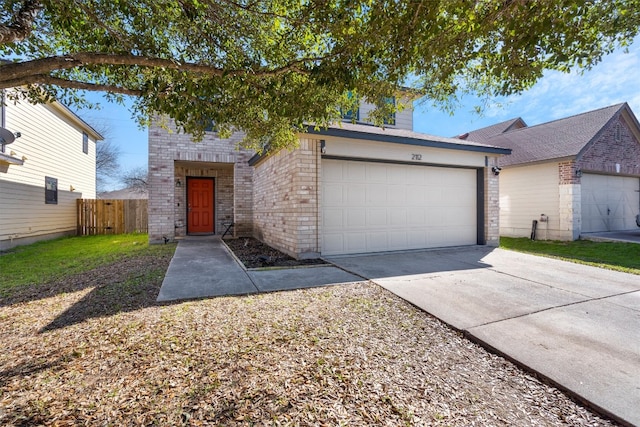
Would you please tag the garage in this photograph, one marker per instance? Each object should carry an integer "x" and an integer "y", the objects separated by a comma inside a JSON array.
[
  {"x": 609, "y": 202},
  {"x": 370, "y": 206}
]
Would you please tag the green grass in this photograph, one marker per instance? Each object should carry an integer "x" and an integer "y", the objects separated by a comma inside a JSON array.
[
  {"x": 56, "y": 259},
  {"x": 612, "y": 255}
]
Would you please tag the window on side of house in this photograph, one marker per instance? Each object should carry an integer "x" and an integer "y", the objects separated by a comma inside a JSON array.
[
  {"x": 351, "y": 115},
  {"x": 211, "y": 126},
  {"x": 390, "y": 119},
  {"x": 50, "y": 190},
  {"x": 618, "y": 134},
  {"x": 85, "y": 143}
]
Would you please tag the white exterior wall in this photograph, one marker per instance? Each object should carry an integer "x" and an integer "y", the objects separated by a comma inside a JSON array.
[
  {"x": 525, "y": 194},
  {"x": 363, "y": 149},
  {"x": 51, "y": 145}
]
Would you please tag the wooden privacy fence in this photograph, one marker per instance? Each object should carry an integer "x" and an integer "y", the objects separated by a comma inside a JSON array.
[{"x": 104, "y": 216}]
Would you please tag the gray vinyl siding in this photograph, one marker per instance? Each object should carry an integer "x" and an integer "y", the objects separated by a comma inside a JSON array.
[{"x": 404, "y": 118}]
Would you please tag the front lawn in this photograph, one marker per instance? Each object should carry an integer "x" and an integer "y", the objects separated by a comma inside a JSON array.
[
  {"x": 50, "y": 260},
  {"x": 618, "y": 256}
]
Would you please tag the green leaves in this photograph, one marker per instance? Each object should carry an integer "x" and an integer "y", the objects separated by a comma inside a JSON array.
[{"x": 267, "y": 67}]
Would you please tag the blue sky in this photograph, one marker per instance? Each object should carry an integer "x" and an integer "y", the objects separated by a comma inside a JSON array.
[
  {"x": 557, "y": 95},
  {"x": 616, "y": 79}
]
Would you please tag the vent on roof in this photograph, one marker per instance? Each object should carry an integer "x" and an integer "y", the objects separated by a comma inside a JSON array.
[{"x": 463, "y": 136}]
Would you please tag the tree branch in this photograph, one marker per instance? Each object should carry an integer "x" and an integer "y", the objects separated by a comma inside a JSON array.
[
  {"x": 68, "y": 84},
  {"x": 19, "y": 72},
  {"x": 21, "y": 26}
]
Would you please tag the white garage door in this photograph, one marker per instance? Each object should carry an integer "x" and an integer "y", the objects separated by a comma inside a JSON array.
[
  {"x": 375, "y": 207},
  {"x": 609, "y": 203}
]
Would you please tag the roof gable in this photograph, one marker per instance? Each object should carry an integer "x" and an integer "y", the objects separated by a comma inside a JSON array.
[{"x": 484, "y": 134}]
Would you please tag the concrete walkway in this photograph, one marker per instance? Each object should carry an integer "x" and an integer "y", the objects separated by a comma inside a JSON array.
[
  {"x": 203, "y": 267},
  {"x": 575, "y": 325}
]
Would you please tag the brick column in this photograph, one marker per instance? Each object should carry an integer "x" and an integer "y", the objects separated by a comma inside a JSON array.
[
  {"x": 570, "y": 202},
  {"x": 491, "y": 205},
  {"x": 161, "y": 188}
]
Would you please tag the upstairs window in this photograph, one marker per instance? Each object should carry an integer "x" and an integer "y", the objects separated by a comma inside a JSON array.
[
  {"x": 211, "y": 126},
  {"x": 351, "y": 115},
  {"x": 85, "y": 143},
  {"x": 391, "y": 118},
  {"x": 618, "y": 134},
  {"x": 50, "y": 190}
]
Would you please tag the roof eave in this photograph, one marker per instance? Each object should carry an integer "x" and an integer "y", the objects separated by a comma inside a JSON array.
[{"x": 395, "y": 139}]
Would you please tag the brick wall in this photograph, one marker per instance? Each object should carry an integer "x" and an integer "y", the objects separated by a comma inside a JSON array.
[
  {"x": 175, "y": 156},
  {"x": 285, "y": 195},
  {"x": 606, "y": 151},
  {"x": 568, "y": 173}
]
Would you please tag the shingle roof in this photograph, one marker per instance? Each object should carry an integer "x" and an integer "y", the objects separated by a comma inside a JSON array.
[
  {"x": 563, "y": 138},
  {"x": 483, "y": 134}
]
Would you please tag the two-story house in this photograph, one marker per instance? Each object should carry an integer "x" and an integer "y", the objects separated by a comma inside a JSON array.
[
  {"x": 351, "y": 188},
  {"x": 43, "y": 171}
]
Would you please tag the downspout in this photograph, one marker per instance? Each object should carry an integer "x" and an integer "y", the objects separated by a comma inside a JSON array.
[{"x": 318, "y": 154}]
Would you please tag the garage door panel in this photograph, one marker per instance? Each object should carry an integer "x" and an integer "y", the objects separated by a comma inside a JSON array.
[
  {"x": 355, "y": 242},
  {"x": 417, "y": 239},
  {"x": 356, "y": 195},
  {"x": 356, "y": 218},
  {"x": 398, "y": 240},
  {"x": 333, "y": 171},
  {"x": 377, "y": 241},
  {"x": 393, "y": 207},
  {"x": 333, "y": 194},
  {"x": 396, "y": 194},
  {"x": 355, "y": 172},
  {"x": 376, "y": 218},
  {"x": 398, "y": 217},
  {"x": 416, "y": 217},
  {"x": 376, "y": 196},
  {"x": 375, "y": 174},
  {"x": 333, "y": 242}
]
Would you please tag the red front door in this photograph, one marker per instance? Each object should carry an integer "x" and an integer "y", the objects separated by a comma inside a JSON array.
[{"x": 200, "y": 206}]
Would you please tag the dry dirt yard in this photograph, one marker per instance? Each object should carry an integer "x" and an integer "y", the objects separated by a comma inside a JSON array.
[{"x": 97, "y": 350}]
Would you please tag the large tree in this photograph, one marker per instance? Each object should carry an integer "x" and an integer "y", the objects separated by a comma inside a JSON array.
[{"x": 270, "y": 66}]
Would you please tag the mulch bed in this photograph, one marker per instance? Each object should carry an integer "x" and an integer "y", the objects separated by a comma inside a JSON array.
[
  {"x": 96, "y": 349},
  {"x": 256, "y": 254}
]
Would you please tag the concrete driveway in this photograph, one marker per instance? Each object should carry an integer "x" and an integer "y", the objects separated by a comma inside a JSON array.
[
  {"x": 577, "y": 326},
  {"x": 629, "y": 236}
]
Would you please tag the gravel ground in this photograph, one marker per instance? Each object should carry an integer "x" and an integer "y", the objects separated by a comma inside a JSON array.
[{"x": 96, "y": 349}]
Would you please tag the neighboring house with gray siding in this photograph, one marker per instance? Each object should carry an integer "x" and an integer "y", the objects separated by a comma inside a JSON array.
[
  {"x": 575, "y": 175},
  {"x": 44, "y": 171},
  {"x": 352, "y": 188}
]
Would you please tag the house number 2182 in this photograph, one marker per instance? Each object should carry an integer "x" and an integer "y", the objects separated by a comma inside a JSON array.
[{"x": 416, "y": 157}]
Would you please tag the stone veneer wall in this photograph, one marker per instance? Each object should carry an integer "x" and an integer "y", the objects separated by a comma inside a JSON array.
[
  {"x": 286, "y": 193},
  {"x": 175, "y": 155},
  {"x": 491, "y": 205}
]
